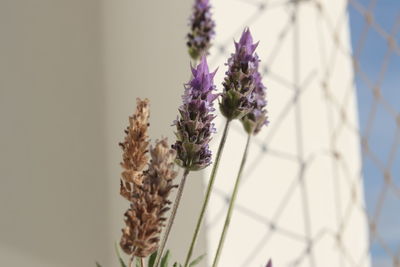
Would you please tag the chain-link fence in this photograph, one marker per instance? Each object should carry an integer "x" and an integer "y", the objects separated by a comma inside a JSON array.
[{"x": 374, "y": 133}]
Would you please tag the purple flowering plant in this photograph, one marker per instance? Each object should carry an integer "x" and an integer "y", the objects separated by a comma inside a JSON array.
[
  {"x": 201, "y": 29},
  {"x": 241, "y": 78},
  {"x": 243, "y": 97},
  {"x": 194, "y": 128},
  {"x": 257, "y": 116}
]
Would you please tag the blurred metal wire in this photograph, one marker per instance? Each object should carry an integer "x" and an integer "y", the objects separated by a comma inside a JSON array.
[{"x": 338, "y": 106}]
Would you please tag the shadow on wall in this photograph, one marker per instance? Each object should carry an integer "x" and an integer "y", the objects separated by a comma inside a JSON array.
[
  {"x": 53, "y": 195},
  {"x": 70, "y": 73}
]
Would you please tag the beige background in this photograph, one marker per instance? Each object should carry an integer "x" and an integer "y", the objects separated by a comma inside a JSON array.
[
  {"x": 292, "y": 180},
  {"x": 70, "y": 71}
]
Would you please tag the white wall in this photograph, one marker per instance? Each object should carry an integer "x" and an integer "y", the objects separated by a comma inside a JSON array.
[{"x": 296, "y": 183}]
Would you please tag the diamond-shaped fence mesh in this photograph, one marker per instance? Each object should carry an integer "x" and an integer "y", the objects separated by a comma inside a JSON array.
[{"x": 343, "y": 179}]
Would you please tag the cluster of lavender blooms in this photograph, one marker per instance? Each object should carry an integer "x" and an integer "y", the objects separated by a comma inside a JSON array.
[
  {"x": 202, "y": 29},
  {"x": 257, "y": 117},
  {"x": 241, "y": 79},
  {"x": 195, "y": 126},
  {"x": 147, "y": 184}
]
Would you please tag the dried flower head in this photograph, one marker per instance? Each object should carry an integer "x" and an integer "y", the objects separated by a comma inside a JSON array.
[
  {"x": 135, "y": 148},
  {"x": 202, "y": 29},
  {"x": 195, "y": 126},
  {"x": 240, "y": 79},
  {"x": 149, "y": 203},
  {"x": 257, "y": 117}
]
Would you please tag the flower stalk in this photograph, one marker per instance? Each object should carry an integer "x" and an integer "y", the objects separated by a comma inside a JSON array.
[
  {"x": 194, "y": 129},
  {"x": 231, "y": 203},
  {"x": 238, "y": 101},
  {"x": 253, "y": 112},
  {"x": 131, "y": 259},
  {"x": 208, "y": 193},
  {"x": 171, "y": 218}
]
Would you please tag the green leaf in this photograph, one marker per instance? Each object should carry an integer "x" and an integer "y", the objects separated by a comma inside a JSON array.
[
  {"x": 98, "y": 264},
  {"x": 197, "y": 260},
  {"x": 121, "y": 261},
  {"x": 165, "y": 259},
  {"x": 152, "y": 259}
]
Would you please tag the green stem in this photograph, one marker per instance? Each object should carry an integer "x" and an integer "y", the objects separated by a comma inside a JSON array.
[
  {"x": 231, "y": 205},
  {"x": 208, "y": 193},
  {"x": 141, "y": 262},
  {"x": 171, "y": 218}
]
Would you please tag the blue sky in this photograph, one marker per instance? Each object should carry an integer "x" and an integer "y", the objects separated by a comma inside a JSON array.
[{"x": 383, "y": 133}]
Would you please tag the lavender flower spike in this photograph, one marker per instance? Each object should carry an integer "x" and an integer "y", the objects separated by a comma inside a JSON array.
[
  {"x": 257, "y": 117},
  {"x": 241, "y": 78},
  {"x": 195, "y": 126},
  {"x": 201, "y": 29}
]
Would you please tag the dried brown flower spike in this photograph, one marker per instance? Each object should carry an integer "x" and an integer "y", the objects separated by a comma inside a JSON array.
[
  {"x": 145, "y": 217},
  {"x": 146, "y": 189},
  {"x": 135, "y": 148}
]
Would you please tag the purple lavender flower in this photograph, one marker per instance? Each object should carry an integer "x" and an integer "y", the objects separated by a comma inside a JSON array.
[
  {"x": 195, "y": 126},
  {"x": 201, "y": 29},
  {"x": 257, "y": 117},
  {"x": 241, "y": 78}
]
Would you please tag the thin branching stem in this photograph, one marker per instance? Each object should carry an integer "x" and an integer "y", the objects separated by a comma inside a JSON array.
[
  {"x": 208, "y": 193},
  {"x": 231, "y": 204},
  {"x": 131, "y": 260},
  {"x": 171, "y": 218}
]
